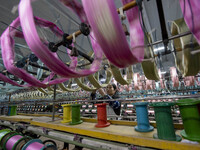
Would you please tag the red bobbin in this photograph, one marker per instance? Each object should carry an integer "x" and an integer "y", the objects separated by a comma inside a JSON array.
[{"x": 101, "y": 116}]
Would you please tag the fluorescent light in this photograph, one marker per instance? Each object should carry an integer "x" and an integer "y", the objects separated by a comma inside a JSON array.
[
  {"x": 159, "y": 49},
  {"x": 103, "y": 80},
  {"x": 163, "y": 72},
  {"x": 74, "y": 84}
]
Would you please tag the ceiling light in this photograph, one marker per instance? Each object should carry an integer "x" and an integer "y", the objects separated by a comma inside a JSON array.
[
  {"x": 159, "y": 49},
  {"x": 163, "y": 72}
]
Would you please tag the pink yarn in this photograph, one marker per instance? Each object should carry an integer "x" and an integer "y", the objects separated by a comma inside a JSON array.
[
  {"x": 43, "y": 53},
  {"x": 174, "y": 77},
  {"x": 191, "y": 9},
  {"x": 189, "y": 81},
  {"x": 8, "y": 55},
  {"x": 104, "y": 21},
  {"x": 77, "y": 8}
]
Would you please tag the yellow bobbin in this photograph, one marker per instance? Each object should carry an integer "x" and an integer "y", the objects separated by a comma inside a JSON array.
[{"x": 67, "y": 117}]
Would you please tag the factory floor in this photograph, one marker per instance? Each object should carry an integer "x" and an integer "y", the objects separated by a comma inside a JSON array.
[{"x": 60, "y": 144}]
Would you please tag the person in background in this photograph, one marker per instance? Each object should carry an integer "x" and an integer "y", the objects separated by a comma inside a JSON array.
[{"x": 111, "y": 93}]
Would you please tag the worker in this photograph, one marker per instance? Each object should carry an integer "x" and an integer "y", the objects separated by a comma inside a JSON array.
[{"x": 111, "y": 93}]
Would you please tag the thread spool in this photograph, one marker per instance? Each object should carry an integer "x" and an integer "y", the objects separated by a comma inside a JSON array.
[
  {"x": 94, "y": 111},
  {"x": 12, "y": 141},
  {"x": 142, "y": 117},
  {"x": 2, "y": 134},
  {"x": 36, "y": 144},
  {"x": 76, "y": 117},
  {"x": 129, "y": 111},
  {"x": 66, "y": 113},
  {"x": 5, "y": 136},
  {"x": 21, "y": 143},
  {"x": 101, "y": 116},
  {"x": 191, "y": 118},
  {"x": 164, "y": 122}
]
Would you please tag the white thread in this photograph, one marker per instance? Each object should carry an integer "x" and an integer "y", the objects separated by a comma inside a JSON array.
[
  {"x": 74, "y": 37},
  {"x": 121, "y": 13},
  {"x": 194, "y": 52}
]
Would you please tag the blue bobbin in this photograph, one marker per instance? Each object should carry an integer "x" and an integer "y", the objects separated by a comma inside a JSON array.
[{"x": 142, "y": 117}]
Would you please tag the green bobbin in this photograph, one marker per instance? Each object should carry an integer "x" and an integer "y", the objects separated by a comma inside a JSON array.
[
  {"x": 164, "y": 122},
  {"x": 189, "y": 109},
  {"x": 76, "y": 115},
  {"x": 12, "y": 110},
  {"x": 3, "y": 133}
]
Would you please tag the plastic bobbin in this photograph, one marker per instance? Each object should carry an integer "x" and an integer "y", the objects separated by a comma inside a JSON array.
[
  {"x": 12, "y": 110},
  {"x": 3, "y": 133},
  {"x": 101, "y": 116},
  {"x": 21, "y": 143},
  {"x": 12, "y": 140},
  {"x": 5, "y": 138},
  {"x": 189, "y": 110},
  {"x": 66, "y": 113},
  {"x": 76, "y": 116},
  {"x": 36, "y": 144},
  {"x": 142, "y": 117},
  {"x": 164, "y": 122}
]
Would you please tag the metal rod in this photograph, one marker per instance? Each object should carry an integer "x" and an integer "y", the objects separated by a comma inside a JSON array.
[
  {"x": 34, "y": 73},
  {"x": 54, "y": 98},
  {"x": 8, "y": 103},
  {"x": 38, "y": 66},
  {"x": 128, "y": 6},
  {"x": 162, "y": 23},
  {"x": 90, "y": 59},
  {"x": 171, "y": 38}
]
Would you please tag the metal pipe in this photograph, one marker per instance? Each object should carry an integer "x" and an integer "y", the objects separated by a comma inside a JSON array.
[
  {"x": 171, "y": 38},
  {"x": 162, "y": 23},
  {"x": 108, "y": 100},
  {"x": 128, "y": 6},
  {"x": 54, "y": 98},
  {"x": 38, "y": 66}
]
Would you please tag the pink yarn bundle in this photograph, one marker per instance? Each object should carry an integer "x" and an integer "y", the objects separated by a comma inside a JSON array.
[
  {"x": 44, "y": 54},
  {"x": 174, "y": 77},
  {"x": 8, "y": 55},
  {"x": 191, "y": 9},
  {"x": 107, "y": 28}
]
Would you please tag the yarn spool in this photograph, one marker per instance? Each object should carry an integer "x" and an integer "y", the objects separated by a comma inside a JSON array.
[
  {"x": 2, "y": 134},
  {"x": 5, "y": 136},
  {"x": 143, "y": 124},
  {"x": 189, "y": 109},
  {"x": 66, "y": 113},
  {"x": 11, "y": 142},
  {"x": 102, "y": 116},
  {"x": 36, "y": 144},
  {"x": 164, "y": 122},
  {"x": 22, "y": 142},
  {"x": 12, "y": 110},
  {"x": 76, "y": 117}
]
